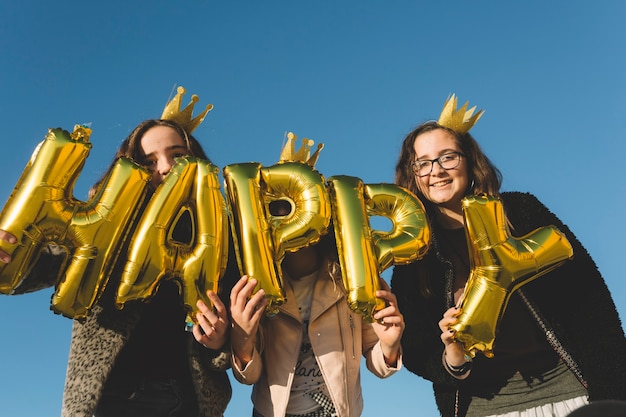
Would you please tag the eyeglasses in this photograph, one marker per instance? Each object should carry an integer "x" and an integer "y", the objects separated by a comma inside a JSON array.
[{"x": 446, "y": 161}]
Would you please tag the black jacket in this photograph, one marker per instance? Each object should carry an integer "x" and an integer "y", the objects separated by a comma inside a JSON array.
[{"x": 572, "y": 300}]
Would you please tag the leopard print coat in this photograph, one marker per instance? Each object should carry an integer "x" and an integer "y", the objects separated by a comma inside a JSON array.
[{"x": 97, "y": 342}]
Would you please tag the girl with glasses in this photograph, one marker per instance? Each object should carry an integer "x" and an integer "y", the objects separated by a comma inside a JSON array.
[{"x": 560, "y": 342}]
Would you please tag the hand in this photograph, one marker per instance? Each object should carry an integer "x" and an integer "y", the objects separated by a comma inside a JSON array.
[
  {"x": 246, "y": 311},
  {"x": 213, "y": 324},
  {"x": 7, "y": 237},
  {"x": 389, "y": 324},
  {"x": 454, "y": 351}
]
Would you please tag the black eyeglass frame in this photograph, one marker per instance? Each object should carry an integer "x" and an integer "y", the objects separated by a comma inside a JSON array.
[{"x": 438, "y": 160}]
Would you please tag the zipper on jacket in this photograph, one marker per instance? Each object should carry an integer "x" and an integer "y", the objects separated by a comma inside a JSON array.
[{"x": 352, "y": 333}]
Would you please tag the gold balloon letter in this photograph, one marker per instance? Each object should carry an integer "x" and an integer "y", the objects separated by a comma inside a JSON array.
[
  {"x": 191, "y": 189},
  {"x": 355, "y": 244},
  {"x": 250, "y": 230},
  {"x": 263, "y": 239},
  {"x": 409, "y": 238},
  {"x": 41, "y": 211},
  {"x": 500, "y": 264},
  {"x": 363, "y": 253},
  {"x": 309, "y": 219}
]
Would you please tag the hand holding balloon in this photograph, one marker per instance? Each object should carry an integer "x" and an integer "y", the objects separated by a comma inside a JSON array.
[
  {"x": 500, "y": 264},
  {"x": 261, "y": 238},
  {"x": 454, "y": 351},
  {"x": 246, "y": 309},
  {"x": 364, "y": 253},
  {"x": 9, "y": 238},
  {"x": 389, "y": 324},
  {"x": 213, "y": 324}
]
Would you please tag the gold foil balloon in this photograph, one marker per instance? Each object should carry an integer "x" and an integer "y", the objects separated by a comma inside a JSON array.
[
  {"x": 42, "y": 211},
  {"x": 263, "y": 239},
  {"x": 190, "y": 189},
  {"x": 310, "y": 216},
  {"x": 365, "y": 253},
  {"x": 409, "y": 238},
  {"x": 500, "y": 264},
  {"x": 355, "y": 245},
  {"x": 99, "y": 232},
  {"x": 250, "y": 231}
]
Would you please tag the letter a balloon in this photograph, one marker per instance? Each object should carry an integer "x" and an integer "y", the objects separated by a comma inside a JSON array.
[{"x": 191, "y": 187}]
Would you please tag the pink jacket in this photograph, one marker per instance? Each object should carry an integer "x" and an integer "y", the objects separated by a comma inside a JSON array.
[{"x": 338, "y": 337}]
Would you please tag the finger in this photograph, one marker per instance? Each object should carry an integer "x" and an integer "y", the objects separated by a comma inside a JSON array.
[
  {"x": 8, "y": 237},
  {"x": 257, "y": 302},
  {"x": 5, "y": 257},
  {"x": 206, "y": 321},
  {"x": 389, "y": 297},
  {"x": 452, "y": 312},
  {"x": 218, "y": 305},
  {"x": 389, "y": 316},
  {"x": 202, "y": 306},
  {"x": 198, "y": 334},
  {"x": 391, "y": 321},
  {"x": 447, "y": 337},
  {"x": 234, "y": 292},
  {"x": 246, "y": 291},
  {"x": 207, "y": 313},
  {"x": 259, "y": 310},
  {"x": 384, "y": 285},
  {"x": 389, "y": 310}
]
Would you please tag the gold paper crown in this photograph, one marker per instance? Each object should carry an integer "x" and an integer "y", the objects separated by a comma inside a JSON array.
[
  {"x": 460, "y": 121},
  {"x": 81, "y": 133},
  {"x": 303, "y": 155},
  {"x": 183, "y": 118}
]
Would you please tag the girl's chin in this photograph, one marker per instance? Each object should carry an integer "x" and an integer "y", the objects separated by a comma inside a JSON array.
[
  {"x": 443, "y": 200},
  {"x": 440, "y": 197}
]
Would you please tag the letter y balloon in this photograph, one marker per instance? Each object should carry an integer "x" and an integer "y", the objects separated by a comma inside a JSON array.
[{"x": 500, "y": 265}]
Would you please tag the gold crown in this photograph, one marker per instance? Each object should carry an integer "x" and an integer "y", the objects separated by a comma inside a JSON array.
[
  {"x": 81, "y": 134},
  {"x": 303, "y": 155},
  {"x": 460, "y": 121},
  {"x": 183, "y": 118}
]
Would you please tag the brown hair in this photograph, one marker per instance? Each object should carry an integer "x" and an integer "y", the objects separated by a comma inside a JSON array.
[
  {"x": 131, "y": 146},
  {"x": 485, "y": 178}
]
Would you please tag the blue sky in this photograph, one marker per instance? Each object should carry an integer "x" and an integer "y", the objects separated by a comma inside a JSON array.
[{"x": 355, "y": 75}]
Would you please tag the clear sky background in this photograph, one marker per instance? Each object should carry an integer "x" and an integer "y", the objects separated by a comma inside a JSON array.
[{"x": 355, "y": 75}]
